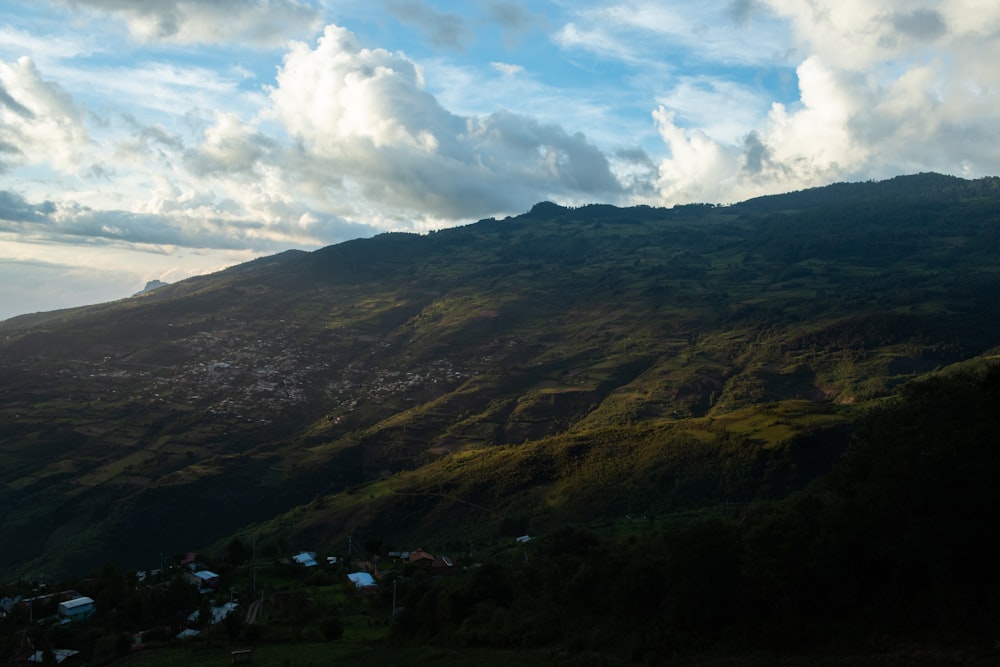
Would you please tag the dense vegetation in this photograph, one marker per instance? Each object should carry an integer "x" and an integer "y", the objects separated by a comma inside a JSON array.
[
  {"x": 750, "y": 395},
  {"x": 893, "y": 548},
  {"x": 887, "y": 560}
]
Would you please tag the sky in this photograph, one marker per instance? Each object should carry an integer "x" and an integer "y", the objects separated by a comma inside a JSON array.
[{"x": 162, "y": 139}]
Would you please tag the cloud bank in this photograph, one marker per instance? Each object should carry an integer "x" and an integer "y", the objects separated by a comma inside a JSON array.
[
  {"x": 884, "y": 89},
  {"x": 241, "y": 127}
]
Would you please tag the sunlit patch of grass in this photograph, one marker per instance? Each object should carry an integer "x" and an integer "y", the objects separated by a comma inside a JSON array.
[{"x": 775, "y": 423}]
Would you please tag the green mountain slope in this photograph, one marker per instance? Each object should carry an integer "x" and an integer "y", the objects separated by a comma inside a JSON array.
[{"x": 564, "y": 364}]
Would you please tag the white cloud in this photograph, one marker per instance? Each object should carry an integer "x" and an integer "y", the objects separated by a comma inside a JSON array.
[
  {"x": 890, "y": 87},
  {"x": 722, "y": 109},
  {"x": 39, "y": 122},
  {"x": 507, "y": 69},
  {"x": 650, "y": 33},
  {"x": 44, "y": 49},
  {"x": 139, "y": 132},
  {"x": 363, "y": 117},
  {"x": 596, "y": 40}
]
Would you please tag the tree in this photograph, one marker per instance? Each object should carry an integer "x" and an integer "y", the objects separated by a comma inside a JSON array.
[
  {"x": 233, "y": 625},
  {"x": 205, "y": 618},
  {"x": 252, "y": 632},
  {"x": 331, "y": 628},
  {"x": 236, "y": 552}
]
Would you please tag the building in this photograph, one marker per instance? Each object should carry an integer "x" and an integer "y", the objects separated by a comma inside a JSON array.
[
  {"x": 306, "y": 559},
  {"x": 7, "y": 605},
  {"x": 60, "y": 655},
  {"x": 77, "y": 609},
  {"x": 443, "y": 566},
  {"x": 205, "y": 579},
  {"x": 218, "y": 613},
  {"x": 363, "y": 581},
  {"x": 420, "y": 558}
]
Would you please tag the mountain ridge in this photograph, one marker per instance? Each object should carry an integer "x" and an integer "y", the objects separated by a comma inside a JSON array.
[{"x": 547, "y": 346}]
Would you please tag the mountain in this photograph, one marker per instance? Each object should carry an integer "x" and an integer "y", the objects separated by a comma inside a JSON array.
[
  {"x": 563, "y": 365},
  {"x": 150, "y": 286}
]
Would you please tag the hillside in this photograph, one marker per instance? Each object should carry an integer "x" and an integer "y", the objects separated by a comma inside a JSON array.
[{"x": 563, "y": 365}]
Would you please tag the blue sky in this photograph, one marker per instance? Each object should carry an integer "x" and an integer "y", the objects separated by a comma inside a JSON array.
[{"x": 163, "y": 139}]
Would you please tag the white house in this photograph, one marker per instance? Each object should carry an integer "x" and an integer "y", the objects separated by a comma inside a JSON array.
[{"x": 77, "y": 609}]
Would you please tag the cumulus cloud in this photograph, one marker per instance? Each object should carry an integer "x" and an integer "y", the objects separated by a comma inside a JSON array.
[
  {"x": 229, "y": 148},
  {"x": 886, "y": 88},
  {"x": 14, "y": 208},
  {"x": 722, "y": 109},
  {"x": 349, "y": 133},
  {"x": 261, "y": 22},
  {"x": 69, "y": 222},
  {"x": 368, "y": 130},
  {"x": 920, "y": 24},
  {"x": 39, "y": 121}
]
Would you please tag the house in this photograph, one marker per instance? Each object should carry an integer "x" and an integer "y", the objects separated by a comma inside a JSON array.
[
  {"x": 218, "y": 613},
  {"x": 421, "y": 558},
  {"x": 363, "y": 581},
  {"x": 205, "y": 579},
  {"x": 306, "y": 559},
  {"x": 77, "y": 609},
  {"x": 524, "y": 539},
  {"x": 443, "y": 566},
  {"x": 7, "y": 605},
  {"x": 60, "y": 655}
]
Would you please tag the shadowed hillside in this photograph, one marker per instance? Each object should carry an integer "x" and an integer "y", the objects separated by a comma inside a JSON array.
[{"x": 559, "y": 366}]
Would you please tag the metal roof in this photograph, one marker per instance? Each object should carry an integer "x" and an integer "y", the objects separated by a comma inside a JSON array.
[{"x": 76, "y": 602}]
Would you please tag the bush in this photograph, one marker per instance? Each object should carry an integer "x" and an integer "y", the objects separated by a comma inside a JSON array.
[{"x": 331, "y": 628}]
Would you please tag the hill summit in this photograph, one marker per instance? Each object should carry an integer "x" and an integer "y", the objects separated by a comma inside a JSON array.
[{"x": 150, "y": 286}]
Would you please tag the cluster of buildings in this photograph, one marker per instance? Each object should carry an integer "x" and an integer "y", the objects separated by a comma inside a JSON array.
[
  {"x": 71, "y": 606},
  {"x": 367, "y": 574},
  {"x": 235, "y": 375}
]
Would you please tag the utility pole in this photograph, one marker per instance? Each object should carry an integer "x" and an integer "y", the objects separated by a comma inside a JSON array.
[{"x": 394, "y": 596}]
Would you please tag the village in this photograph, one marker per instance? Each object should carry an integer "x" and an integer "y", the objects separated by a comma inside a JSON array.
[
  {"x": 204, "y": 599},
  {"x": 226, "y": 374}
]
